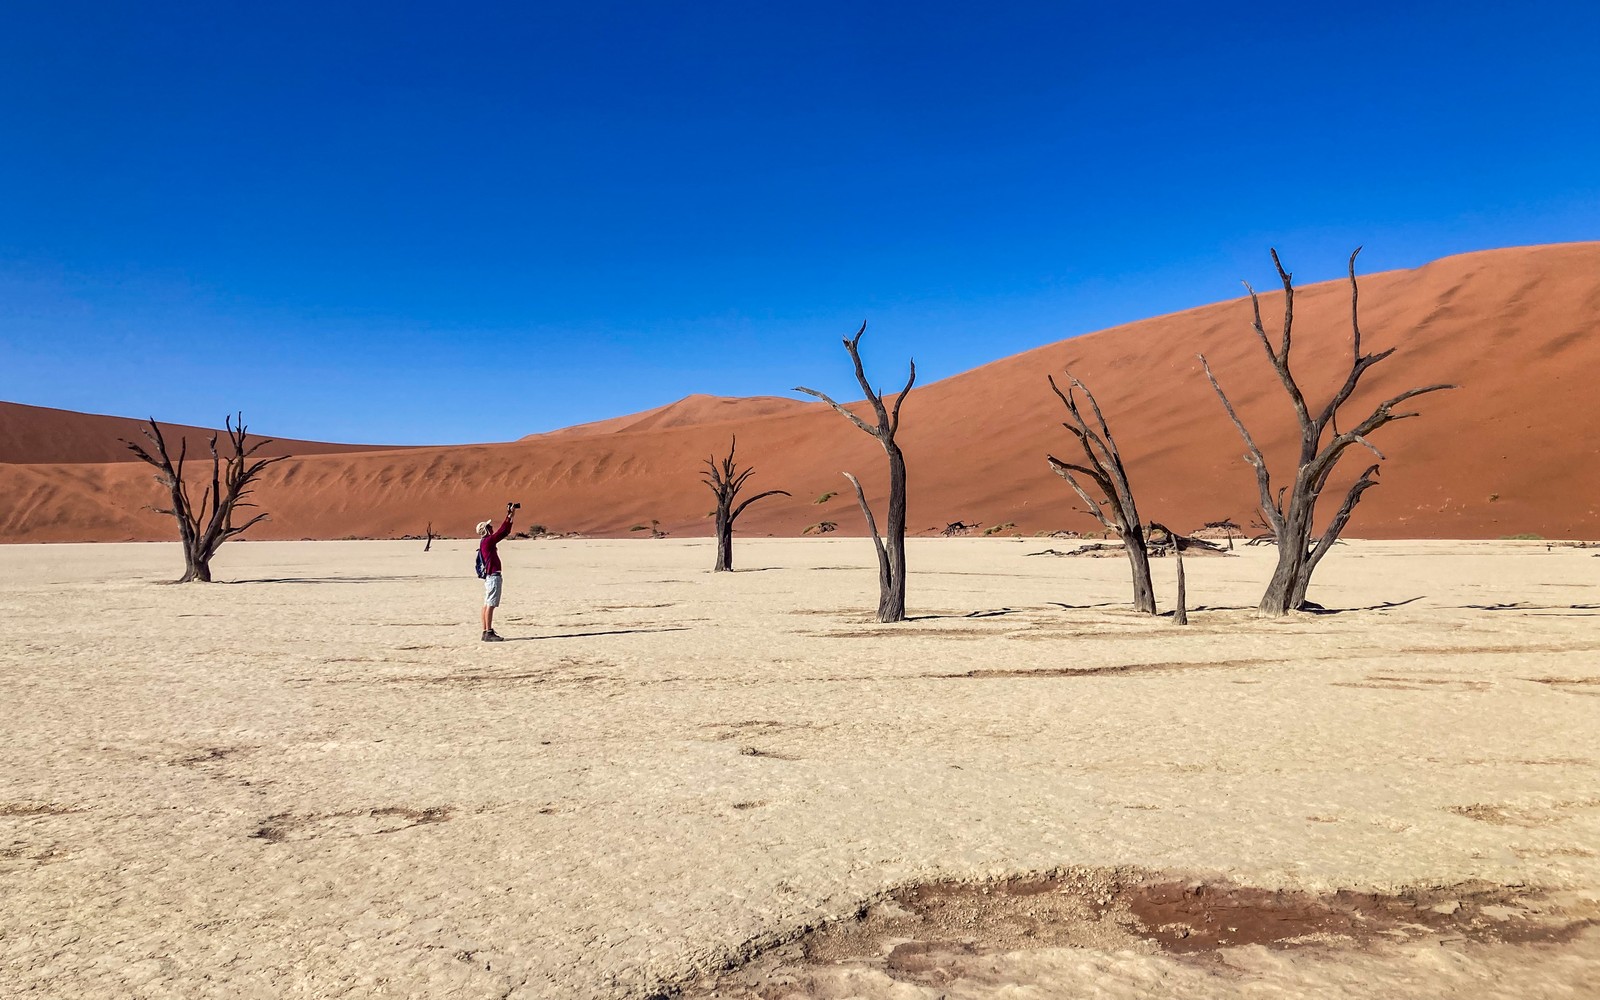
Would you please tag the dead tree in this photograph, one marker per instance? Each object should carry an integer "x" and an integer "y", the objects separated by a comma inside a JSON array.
[
  {"x": 1290, "y": 510},
  {"x": 204, "y": 527},
  {"x": 725, "y": 480},
  {"x": 1180, "y": 610},
  {"x": 891, "y": 546},
  {"x": 429, "y": 544},
  {"x": 1110, "y": 478}
]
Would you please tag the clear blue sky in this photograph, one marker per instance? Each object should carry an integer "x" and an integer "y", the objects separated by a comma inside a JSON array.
[{"x": 412, "y": 223}]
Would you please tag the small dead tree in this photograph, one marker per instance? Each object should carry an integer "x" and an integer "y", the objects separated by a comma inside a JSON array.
[
  {"x": 725, "y": 479},
  {"x": 1110, "y": 478},
  {"x": 204, "y": 527},
  {"x": 1290, "y": 510},
  {"x": 1180, "y": 610},
  {"x": 429, "y": 544},
  {"x": 891, "y": 546}
]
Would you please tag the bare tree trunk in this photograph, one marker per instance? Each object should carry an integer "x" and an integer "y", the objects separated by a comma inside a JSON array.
[
  {"x": 1290, "y": 513},
  {"x": 892, "y": 547},
  {"x": 724, "y": 543},
  {"x": 725, "y": 479},
  {"x": 196, "y": 569},
  {"x": 1180, "y": 614},
  {"x": 1144, "y": 591},
  {"x": 429, "y": 544},
  {"x": 892, "y": 599},
  {"x": 204, "y": 527},
  {"x": 1106, "y": 471}
]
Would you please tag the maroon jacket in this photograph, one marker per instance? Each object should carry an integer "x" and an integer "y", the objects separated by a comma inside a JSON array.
[{"x": 486, "y": 548}]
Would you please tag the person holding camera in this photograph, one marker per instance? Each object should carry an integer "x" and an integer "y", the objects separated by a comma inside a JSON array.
[{"x": 489, "y": 561}]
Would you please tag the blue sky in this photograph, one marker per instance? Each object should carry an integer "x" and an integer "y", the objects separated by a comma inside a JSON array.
[{"x": 415, "y": 223}]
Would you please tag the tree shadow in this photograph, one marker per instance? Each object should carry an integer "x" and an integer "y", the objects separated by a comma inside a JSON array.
[
  {"x": 1087, "y": 607},
  {"x": 328, "y": 579},
  {"x": 1540, "y": 610},
  {"x": 1523, "y": 606},
  {"x": 1313, "y": 608},
  {"x": 586, "y": 635},
  {"x": 997, "y": 613}
]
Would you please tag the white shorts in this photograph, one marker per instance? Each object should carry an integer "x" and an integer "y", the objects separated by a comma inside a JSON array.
[{"x": 491, "y": 590}]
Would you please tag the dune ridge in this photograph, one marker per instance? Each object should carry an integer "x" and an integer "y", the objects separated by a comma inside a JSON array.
[
  {"x": 696, "y": 409},
  {"x": 43, "y": 435},
  {"x": 1516, "y": 449}
]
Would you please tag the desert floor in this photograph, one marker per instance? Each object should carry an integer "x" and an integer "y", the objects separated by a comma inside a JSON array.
[{"x": 315, "y": 781}]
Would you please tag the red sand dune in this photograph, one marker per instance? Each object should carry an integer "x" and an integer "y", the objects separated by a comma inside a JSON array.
[
  {"x": 38, "y": 435},
  {"x": 1515, "y": 449}
]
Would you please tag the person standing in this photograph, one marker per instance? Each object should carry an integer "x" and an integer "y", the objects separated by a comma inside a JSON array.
[{"x": 493, "y": 579}]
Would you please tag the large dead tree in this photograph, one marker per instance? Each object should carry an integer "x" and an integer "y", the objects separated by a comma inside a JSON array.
[
  {"x": 725, "y": 479},
  {"x": 1104, "y": 469},
  {"x": 203, "y": 527},
  {"x": 891, "y": 546},
  {"x": 1290, "y": 510}
]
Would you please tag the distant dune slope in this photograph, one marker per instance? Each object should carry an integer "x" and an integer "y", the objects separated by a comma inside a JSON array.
[
  {"x": 1516, "y": 449},
  {"x": 695, "y": 410},
  {"x": 41, "y": 435}
]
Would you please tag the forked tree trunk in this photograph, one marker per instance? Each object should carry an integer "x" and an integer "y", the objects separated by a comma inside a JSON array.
[
  {"x": 196, "y": 568},
  {"x": 1286, "y": 591},
  {"x": 891, "y": 547},
  {"x": 1290, "y": 511}
]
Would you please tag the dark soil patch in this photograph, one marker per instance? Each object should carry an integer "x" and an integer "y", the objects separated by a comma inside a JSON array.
[
  {"x": 355, "y": 823},
  {"x": 937, "y": 933},
  {"x": 35, "y": 809}
]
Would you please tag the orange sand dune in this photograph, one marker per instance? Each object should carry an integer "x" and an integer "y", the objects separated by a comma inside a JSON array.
[
  {"x": 40, "y": 435},
  {"x": 1516, "y": 449}
]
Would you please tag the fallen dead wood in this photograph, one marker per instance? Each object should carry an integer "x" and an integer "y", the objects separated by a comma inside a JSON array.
[{"x": 1159, "y": 540}]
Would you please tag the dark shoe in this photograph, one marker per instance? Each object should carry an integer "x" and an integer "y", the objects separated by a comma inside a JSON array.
[{"x": 491, "y": 636}]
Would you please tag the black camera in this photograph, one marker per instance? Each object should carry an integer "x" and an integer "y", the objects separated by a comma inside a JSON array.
[{"x": 513, "y": 506}]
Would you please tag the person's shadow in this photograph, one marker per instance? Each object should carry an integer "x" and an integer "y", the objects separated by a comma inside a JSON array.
[{"x": 585, "y": 635}]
